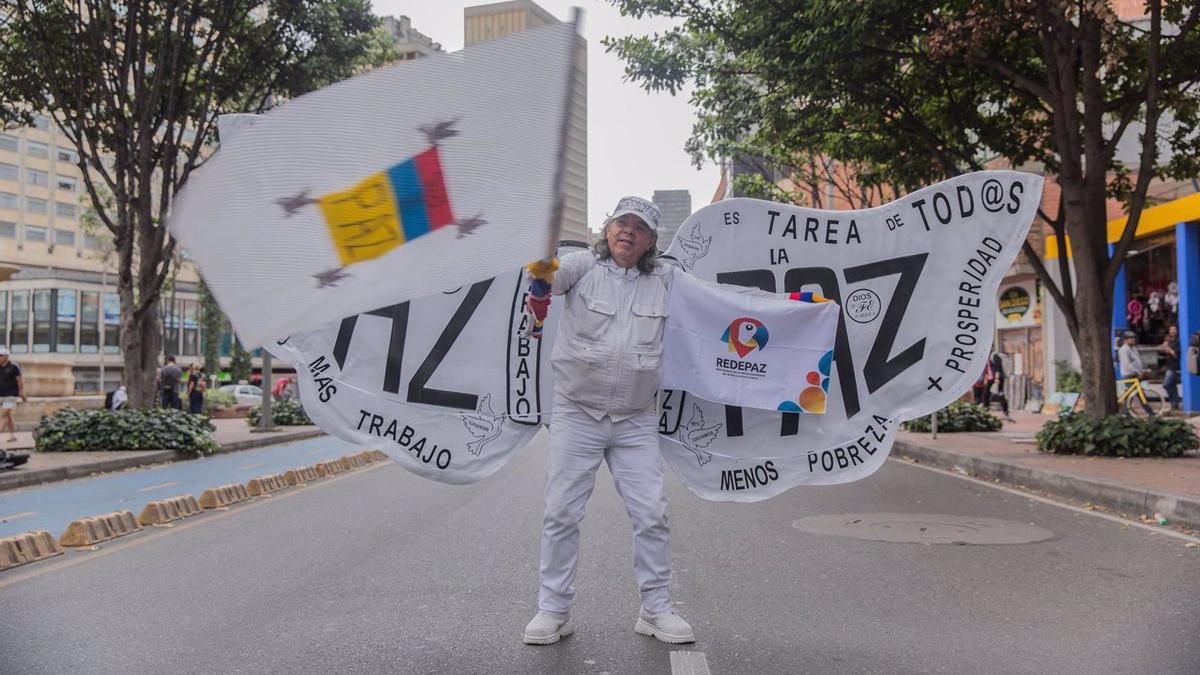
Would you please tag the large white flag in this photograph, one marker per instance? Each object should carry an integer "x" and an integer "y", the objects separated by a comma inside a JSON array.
[
  {"x": 385, "y": 187},
  {"x": 756, "y": 351},
  {"x": 450, "y": 386}
]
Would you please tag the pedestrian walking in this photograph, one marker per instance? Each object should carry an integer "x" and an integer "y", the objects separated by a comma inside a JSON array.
[
  {"x": 196, "y": 386},
  {"x": 1171, "y": 353},
  {"x": 119, "y": 398},
  {"x": 168, "y": 383},
  {"x": 12, "y": 388},
  {"x": 1000, "y": 377}
]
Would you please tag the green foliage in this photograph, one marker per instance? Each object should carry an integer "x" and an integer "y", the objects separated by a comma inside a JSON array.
[
  {"x": 239, "y": 362},
  {"x": 1068, "y": 379},
  {"x": 958, "y": 416},
  {"x": 285, "y": 413},
  {"x": 212, "y": 320},
  {"x": 92, "y": 430},
  {"x": 1117, "y": 436},
  {"x": 215, "y": 399}
]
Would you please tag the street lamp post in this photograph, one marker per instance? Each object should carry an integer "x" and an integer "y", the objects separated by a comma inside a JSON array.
[{"x": 266, "y": 420}]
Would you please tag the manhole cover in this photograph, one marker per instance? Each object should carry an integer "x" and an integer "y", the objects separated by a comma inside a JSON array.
[{"x": 924, "y": 528}]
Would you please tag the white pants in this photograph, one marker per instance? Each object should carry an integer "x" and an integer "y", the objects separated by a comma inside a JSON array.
[{"x": 577, "y": 445}]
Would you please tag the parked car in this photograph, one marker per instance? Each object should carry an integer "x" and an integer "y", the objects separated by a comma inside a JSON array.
[{"x": 245, "y": 394}]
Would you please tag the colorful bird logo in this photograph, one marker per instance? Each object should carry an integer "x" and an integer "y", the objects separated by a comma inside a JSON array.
[{"x": 744, "y": 335}]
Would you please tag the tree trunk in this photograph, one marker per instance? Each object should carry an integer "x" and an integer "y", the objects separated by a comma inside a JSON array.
[{"x": 141, "y": 344}]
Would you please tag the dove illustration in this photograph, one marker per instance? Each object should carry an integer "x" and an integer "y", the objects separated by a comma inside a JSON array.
[
  {"x": 695, "y": 246},
  {"x": 696, "y": 435},
  {"x": 485, "y": 426}
]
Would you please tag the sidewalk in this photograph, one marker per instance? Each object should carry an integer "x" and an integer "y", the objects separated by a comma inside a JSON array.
[
  {"x": 44, "y": 467},
  {"x": 1133, "y": 487}
]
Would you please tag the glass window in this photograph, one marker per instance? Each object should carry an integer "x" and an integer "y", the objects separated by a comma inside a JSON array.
[
  {"x": 64, "y": 320},
  {"x": 34, "y": 233},
  {"x": 112, "y": 323},
  {"x": 8, "y": 229},
  {"x": 35, "y": 149},
  {"x": 225, "y": 348},
  {"x": 41, "y": 122},
  {"x": 66, "y": 155},
  {"x": 64, "y": 237},
  {"x": 90, "y": 241},
  {"x": 8, "y": 200},
  {"x": 35, "y": 205},
  {"x": 67, "y": 183},
  {"x": 9, "y": 171},
  {"x": 65, "y": 210},
  {"x": 41, "y": 320},
  {"x": 4, "y": 318},
  {"x": 20, "y": 322},
  {"x": 10, "y": 143},
  {"x": 191, "y": 329},
  {"x": 89, "y": 322},
  {"x": 37, "y": 177}
]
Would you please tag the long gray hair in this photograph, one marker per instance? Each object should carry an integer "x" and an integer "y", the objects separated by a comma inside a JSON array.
[{"x": 645, "y": 264}]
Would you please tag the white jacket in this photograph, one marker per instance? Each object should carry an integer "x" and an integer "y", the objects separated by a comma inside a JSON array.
[{"x": 608, "y": 352}]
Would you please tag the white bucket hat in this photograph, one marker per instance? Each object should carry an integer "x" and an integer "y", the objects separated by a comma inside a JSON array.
[{"x": 645, "y": 209}]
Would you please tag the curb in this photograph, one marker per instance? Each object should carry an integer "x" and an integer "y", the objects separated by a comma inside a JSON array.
[
  {"x": 223, "y": 495},
  {"x": 91, "y": 531},
  {"x": 21, "y": 549},
  {"x": 16, "y": 479},
  {"x": 165, "y": 510},
  {"x": 265, "y": 485},
  {"x": 1112, "y": 495}
]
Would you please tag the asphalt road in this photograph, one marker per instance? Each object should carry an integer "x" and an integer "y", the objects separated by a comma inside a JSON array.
[{"x": 381, "y": 571}]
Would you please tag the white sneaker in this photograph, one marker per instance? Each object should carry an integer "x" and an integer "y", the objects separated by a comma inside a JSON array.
[
  {"x": 666, "y": 627},
  {"x": 546, "y": 628}
]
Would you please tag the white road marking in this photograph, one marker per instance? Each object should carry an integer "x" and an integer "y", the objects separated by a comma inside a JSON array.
[
  {"x": 1155, "y": 529},
  {"x": 151, "y": 488},
  {"x": 689, "y": 663},
  {"x": 14, "y": 516}
]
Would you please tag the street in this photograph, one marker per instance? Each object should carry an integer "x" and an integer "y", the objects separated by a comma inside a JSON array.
[{"x": 378, "y": 570}]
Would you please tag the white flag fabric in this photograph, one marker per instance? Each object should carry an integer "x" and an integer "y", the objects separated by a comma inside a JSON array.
[
  {"x": 448, "y": 385},
  {"x": 384, "y": 187},
  {"x": 748, "y": 350},
  {"x": 916, "y": 280}
]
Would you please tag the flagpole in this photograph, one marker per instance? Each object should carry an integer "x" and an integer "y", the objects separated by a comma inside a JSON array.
[{"x": 560, "y": 177}]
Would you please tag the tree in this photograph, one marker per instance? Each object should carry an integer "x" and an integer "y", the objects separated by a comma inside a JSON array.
[
  {"x": 907, "y": 93},
  {"x": 212, "y": 321},
  {"x": 239, "y": 362},
  {"x": 136, "y": 88}
]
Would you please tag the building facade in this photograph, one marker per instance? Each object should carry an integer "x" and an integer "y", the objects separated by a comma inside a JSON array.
[
  {"x": 676, "y": 206},
  {"x": 488, "y": 22},
  {"x": 409, "y": 42}
]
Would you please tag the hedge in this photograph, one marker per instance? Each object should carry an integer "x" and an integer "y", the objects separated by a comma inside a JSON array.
[
  {"x": 1117, "y": 436},
  {"x": 92, "y": 430},
  {"x": 958, "y": 416},
  {"x": 285, "y": 412}
]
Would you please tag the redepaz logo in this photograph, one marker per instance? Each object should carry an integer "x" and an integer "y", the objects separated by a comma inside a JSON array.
[{"x": 745, "y": 335}]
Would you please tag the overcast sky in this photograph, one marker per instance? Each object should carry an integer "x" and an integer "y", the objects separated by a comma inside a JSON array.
[{"x": 635, "y": 139}]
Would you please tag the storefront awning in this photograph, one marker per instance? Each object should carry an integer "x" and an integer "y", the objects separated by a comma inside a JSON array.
[{"x": 1156, "y": 219}]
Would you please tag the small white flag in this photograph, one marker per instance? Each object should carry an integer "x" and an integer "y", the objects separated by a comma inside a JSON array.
[
  {"x": 748, "y": 350},
  {"x": 392, "y": 185}
]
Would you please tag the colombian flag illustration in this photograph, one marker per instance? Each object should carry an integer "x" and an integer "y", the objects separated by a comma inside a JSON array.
[{"x": 388, "y": 208}]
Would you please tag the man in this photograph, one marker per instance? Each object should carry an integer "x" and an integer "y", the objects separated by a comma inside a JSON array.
[
  {"x": 1130, "y": 362},
  {"x": 1171, "y": 349},
  {"x": 12, "y": 387},
  {"x": 998, "y": 373},
  {"x": 607, "y": 370},
  {"x": 168, "y": 382}
]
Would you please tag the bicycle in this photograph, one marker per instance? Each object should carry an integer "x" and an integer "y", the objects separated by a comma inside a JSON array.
[{"x": 1139, "y": 400}]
